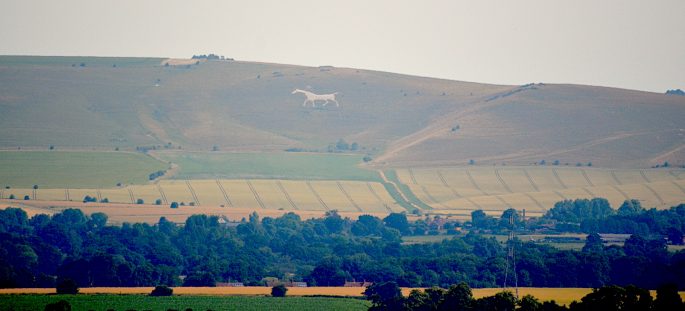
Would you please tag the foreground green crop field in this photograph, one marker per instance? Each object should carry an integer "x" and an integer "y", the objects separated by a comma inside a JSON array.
[
  {"x": 141, "y": 302},
  {"x": 269, "y": 165},
  {"x": 77, "y": 169}
]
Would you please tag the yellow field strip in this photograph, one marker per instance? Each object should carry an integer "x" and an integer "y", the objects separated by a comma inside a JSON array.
[
  {"x": 563, "y": 296},
  {"x": 538, "y": 188}
]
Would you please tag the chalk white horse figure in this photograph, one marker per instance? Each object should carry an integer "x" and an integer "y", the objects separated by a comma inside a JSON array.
[{"x": 312, "y": 98}]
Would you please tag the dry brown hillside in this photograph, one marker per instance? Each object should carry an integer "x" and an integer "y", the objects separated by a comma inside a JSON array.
[{"x": 73, "y": 102}]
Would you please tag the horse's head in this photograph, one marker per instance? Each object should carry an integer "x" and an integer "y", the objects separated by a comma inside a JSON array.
[{"x": 295, "y": 91}]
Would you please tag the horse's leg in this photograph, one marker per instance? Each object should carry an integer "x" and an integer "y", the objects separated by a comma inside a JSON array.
[
  {"x": 336, "y": 103},
  {"x": 305, "y": 103}
]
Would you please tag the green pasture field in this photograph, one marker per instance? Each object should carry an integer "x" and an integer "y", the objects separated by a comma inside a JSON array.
[
  {"x": 11, "y": 60},
  {"x": 285, "y": 165},
  {"x": 141, "y": 302},
  {"x": 75, "y": 169}
]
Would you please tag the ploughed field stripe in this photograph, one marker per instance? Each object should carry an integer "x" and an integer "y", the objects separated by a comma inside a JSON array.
[
  {"x": 318, "y": 197},
  {"x": 130, "y": 193},
  {"x": 192, "y": 192},
  {"x": 530, "y": 180},
  {"x": 556, "y": 176},
  {"x": 255, "y": 194},
  {"x": 224, "y": 193},
  {"x": 501, "y": 181},
  {"x": 658, "y": 197},
  {"x": 287, "y": 195},
  {"x": 587, "y": 179},
  {"x": 613, "y": 175},
  {"x": 161, "y": 193},
  {"x": 347, "y": 195},
  {"x": 373, "y": 192},
  {"x": 473, "y": 182},
  {"x": 625, "y": 195},
  {"x": 534, "y": 200},
  {"x": 679, "y": 186},
  {"x": 644, "y": 176},
  {"x": 411, "y": 176},
  {"x": 444, "y": 183}
]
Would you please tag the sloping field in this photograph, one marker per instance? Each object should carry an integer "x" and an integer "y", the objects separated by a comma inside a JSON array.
[
  {"x": 460, "y": 190},
  {"x": 257, "y": 194}
]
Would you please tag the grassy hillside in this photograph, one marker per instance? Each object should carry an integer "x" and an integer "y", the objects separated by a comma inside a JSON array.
[
  {"x": 62, "y": 169},
  {"x": 400, "y": 120}
]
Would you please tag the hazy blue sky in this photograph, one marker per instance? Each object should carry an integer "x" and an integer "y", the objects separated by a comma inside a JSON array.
[{"x": 623, "y": 43}]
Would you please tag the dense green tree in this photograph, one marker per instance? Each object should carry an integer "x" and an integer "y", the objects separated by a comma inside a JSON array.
[
  {"x": 67, "y": 287},
  {"x": 385, "y": 296},
  {"x": 667, "y": 298},
  {"x": 397, "y": 221},
  {"x": 279, "y": 291}
]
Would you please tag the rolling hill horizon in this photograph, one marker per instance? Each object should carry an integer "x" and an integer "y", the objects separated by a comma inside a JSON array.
[{"x": 398, "y": 120}]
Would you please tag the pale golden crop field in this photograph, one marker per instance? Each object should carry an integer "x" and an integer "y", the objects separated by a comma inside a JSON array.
[{"x": 459, "y": 190}]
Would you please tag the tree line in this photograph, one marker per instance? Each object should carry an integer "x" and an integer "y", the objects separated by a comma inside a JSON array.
[{"x": 42, "y": 250}]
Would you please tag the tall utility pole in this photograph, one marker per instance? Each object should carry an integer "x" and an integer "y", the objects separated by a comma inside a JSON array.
[{"x": 511, "y": 257}]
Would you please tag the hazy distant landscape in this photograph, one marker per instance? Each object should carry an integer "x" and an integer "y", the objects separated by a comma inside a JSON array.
[{"x": 388, "y": 186}]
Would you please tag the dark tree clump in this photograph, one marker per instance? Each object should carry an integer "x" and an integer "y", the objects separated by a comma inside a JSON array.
[{"x": 278, "y": 290}]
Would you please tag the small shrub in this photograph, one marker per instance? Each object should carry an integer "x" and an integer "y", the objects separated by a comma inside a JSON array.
[
  {"x": 278, "y": 291},
  {"x": 162, "y": 290},
  {"x": 26, "y": 198},
  {"x": 12, "y": 197},
  {"x": 174, "y": 205},
  {"x": 140, "y": 201},
  {"x": 158, "y": 202}
]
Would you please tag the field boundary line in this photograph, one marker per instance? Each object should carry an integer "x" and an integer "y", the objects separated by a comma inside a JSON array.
[
  {"x": 625, "y": 195},
  {"x": 473, "y": 182},
  {"x": 535, "y": 200},
  {"x": 316, "y": 194},
  {"x": 1, "y": 193},
  {"x": 192, "y": 192},
  {"x": 66, "y": 194},
  {"x": 563, "y": 197},
  {"x": 411, "y": 176},
  {"x": 679, "y": 186},
  {"x": 644, "y": 176},
  {"x": 587, "y": 178},
  {"x": 223, "y": 192},
  {"x": 255, "y": 194},
  {"x": 368, "y": 185},
  {"x": 286, "y": 194},
  {"x": 501, "y": 181},
  {"x": 347, "y": 195},
  {"x": 658, "y": 197},
  {"x": 672, "y": 172},
  {"x": 613, "y": 175},
  {"x": 556, "y": 176},
  {"x": 444, "y": 183},
  {"x": 34, "y": 194},
  {"x": 161, "y": 192},
  {"x": 532, "y": 183},
  {"x": 589, "y": 192},
  {"x": 130, "y": 193},
  {"x": 99, "y": 194}
]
